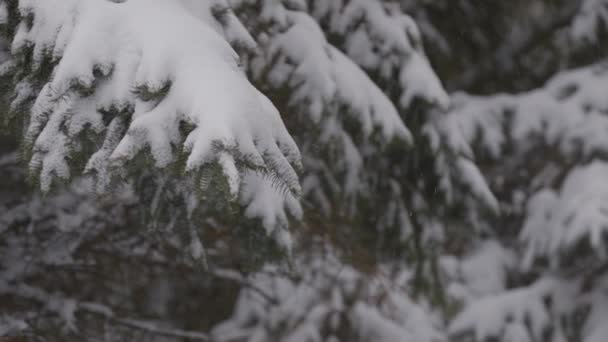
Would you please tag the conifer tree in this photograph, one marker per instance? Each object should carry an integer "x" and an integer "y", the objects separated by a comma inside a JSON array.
[
  {"x": 295, "y": 170},
  {"x": 537, "y": 273}
]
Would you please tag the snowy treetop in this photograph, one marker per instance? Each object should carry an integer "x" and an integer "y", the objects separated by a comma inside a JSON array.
[{"x": 111, "y": 58}]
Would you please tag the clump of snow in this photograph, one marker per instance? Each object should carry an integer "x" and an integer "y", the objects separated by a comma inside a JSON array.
[
  {"x": 589, "y": 19},
  {"x": 262, "y": 200},
  {"x": 506, "y": 313},
  {"x": 567, "y": 113},
  {"x": 480, "y": 273},
  {"x": 557, "y": 221},
  {"x": 379, "y": 37}
]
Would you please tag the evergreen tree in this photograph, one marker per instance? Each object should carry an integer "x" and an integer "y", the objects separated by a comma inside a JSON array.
[
  {"x": 294, "y": 170},
  {"x": 537, "y": 273}
]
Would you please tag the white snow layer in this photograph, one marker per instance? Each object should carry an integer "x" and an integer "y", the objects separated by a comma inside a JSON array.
[
  {"x": 567, "y": 115},
  {"x": 168, "y": 64},
  {"x": 329, "y": 297},
  {"x": 557, "y": 221},
  {"x": 587, "y": 23}
]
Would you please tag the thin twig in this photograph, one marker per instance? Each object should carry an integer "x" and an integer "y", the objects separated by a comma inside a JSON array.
[{"x": 147, "y": 326}]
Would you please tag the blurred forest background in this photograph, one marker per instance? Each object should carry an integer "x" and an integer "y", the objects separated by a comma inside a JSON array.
[{"x": 454, "y": 157}]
